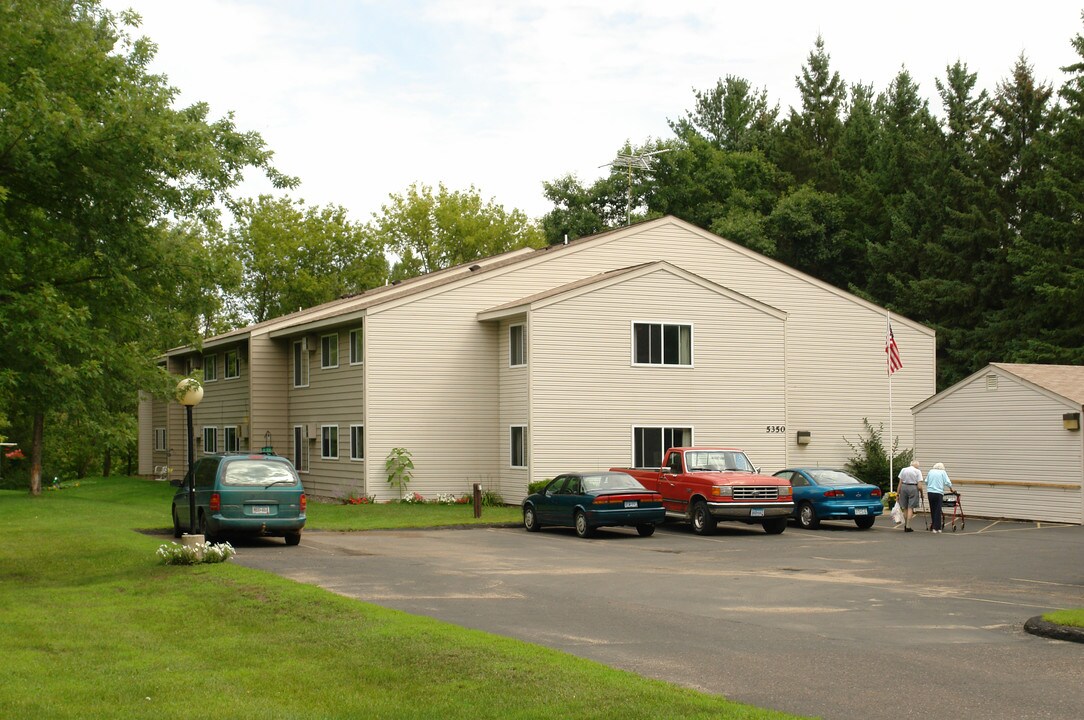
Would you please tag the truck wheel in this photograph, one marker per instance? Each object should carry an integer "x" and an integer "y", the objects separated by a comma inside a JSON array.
[
  {"x": 582, "y": 528},
  {"x": 807, "y": 516},
  {"x": 775, "y": 526},
  {"x": 646, "y": 530},
  {"x": 703, "y": 522},
  {"x": 530, "y": 520}
]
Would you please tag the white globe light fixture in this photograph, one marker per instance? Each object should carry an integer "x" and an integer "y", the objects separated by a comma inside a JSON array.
[{"x": 189, "y": 394}]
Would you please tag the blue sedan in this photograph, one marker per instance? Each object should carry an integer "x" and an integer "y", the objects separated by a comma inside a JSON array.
[
  {"x": 824, "y": 494},
  {"x": 590, "y": 500}
]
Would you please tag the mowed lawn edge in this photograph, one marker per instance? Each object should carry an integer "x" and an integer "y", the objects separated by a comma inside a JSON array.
[{"x": 96, "y": 627}]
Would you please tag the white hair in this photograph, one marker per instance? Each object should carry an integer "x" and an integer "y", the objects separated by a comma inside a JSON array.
[{"x": 939, "y": 466}]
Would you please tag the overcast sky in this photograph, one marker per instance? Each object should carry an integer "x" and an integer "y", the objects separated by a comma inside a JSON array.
[{"x": 360, "y": 99}]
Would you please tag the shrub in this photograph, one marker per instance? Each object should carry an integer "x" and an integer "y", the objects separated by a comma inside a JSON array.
[
  {"x": 175, "y": 554},
  {"x": 400, "y": 468},
  {"x": 492, "y": 498},
  {"x": 537, "y": 486},
  {"x": 870, "y": 461}
]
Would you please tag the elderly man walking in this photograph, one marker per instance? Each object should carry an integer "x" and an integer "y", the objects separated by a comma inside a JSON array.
[{"x": 909, "y": 478}]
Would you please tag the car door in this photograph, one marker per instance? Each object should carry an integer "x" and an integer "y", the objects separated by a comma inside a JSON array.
[{"x": 546, "y": 506}]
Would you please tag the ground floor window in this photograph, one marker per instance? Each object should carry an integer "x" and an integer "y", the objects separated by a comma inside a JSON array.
[
  {"x": 231, "y": 439},
  {"x": 329, "y": 442},
  {"x": 357, "y": 442},
  {"x": 159, "y": 438},
  {"x": 518, "y": 446},
  {"x": 210, "y": 439},
  {"x": 651, "y": 443},
  {"x": 301, "y": 449}
]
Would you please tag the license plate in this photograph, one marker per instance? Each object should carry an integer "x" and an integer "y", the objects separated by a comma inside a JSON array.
[
  {"x": 861, "y": 511},
  {"x": 261, "y": 509},
  {"x": 756, "y": 512},
  {"x": 631, "y": 503}
]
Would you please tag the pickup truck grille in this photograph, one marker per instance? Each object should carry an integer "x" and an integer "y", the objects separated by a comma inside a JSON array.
[{"x": 756, "y": 492}]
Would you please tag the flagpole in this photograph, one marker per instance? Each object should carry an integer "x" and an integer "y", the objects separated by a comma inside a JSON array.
[{"x": 888, "y": 365}]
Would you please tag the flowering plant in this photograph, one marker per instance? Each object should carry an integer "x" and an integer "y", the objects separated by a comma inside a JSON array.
[
  {"x": 174, "y": 554},
  {"x": 354, "y": 499},
  {"x": 414, "y": 499},
  {"x": 446, "y": 499},
  {"x": 16, "y": 454}
]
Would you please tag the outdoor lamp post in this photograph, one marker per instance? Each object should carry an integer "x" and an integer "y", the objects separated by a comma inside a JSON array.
[{"x": 189, "y": 394}]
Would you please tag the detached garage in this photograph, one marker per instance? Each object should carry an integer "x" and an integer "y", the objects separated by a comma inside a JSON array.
[{"x": 1010, "y": 436}]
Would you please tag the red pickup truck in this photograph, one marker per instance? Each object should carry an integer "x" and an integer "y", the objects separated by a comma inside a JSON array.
[{"x": 704, "y": 485}]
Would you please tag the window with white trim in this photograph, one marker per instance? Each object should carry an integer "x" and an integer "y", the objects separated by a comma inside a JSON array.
[
  {"x": 210, "y": 439},
  {"x": 662, "y": 344},
  {"x": 357, "y": 442},
  {"x": 517, "y": 346},
  {"x": 649, "y": 444},
  {"x": 210, "y": 368},
  {"x": 517, "y": 450},
  {"x": 329, "y": 442},
  {"x": 233, "y": 365},
  {"x": 329, "y": 351},
  {"x": 357, "y": 347},
  {"x": 231, "y": 438},
  {"x": 301, "y": 449},
  {"x": 159, "y": 438},
  {"x": 301, "y": 364}
]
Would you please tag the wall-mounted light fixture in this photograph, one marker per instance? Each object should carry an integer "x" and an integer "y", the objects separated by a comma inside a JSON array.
[
  {"x": 1071, "y": 421},
  {"x": 804, "y": 437}
]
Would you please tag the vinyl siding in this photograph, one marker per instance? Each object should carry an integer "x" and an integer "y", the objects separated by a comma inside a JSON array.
[
  {"x": 514, "y": 410},
  {"x": 587, "y": 395},
  {"x": 334, "y": 396},
  {"x": 994, "y": 442},
  {"x": 268, "y": 369},
  {"x": 225, "y": 403}
]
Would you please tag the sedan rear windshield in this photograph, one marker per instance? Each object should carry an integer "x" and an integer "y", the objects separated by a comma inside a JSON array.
[
  {"x": 834, "y": 477},
  {"x": 610, "y": 481},
  {"x": 258, "y": 473}
]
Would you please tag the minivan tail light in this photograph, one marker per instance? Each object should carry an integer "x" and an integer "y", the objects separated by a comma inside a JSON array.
[
  {"x": 216, "y": 502},
  {"x": 304, "y": 502}
]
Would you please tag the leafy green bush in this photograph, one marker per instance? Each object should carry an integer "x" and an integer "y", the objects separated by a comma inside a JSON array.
[
  {"x": 399, "y": 468},
  {"x": 870, "y": 460},
  {"x": 537, "y": 486},
  {"x": 492, "y": 498}
]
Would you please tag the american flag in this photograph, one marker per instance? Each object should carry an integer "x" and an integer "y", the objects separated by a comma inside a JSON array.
[{"x": 892, "y": 350}]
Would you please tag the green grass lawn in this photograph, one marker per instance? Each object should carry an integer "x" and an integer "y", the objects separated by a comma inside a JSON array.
[
  {"x": 384, "y": 516},
  {"x": 94, "y": 627},
  {"x": 1066, "y": 617}
]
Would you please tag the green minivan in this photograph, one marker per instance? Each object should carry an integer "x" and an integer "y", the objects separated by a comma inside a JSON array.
[{"x": 242, "y": 494}]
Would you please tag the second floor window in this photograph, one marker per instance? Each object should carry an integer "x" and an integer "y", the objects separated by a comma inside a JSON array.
[
  {"x": 357, "y": 347},
  {"x": 662, "y": 344},
  {"x": 329, "y": 351},
  {"x": 210, "y": 368},
  {"x": 301, "y": 364},
  {"x": 233, "y": 365},
  {"x": 517, "y": 346}
]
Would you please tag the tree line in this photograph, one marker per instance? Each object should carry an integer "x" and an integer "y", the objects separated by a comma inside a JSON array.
[
  {"x": 122, "y": 233},
  {"x": 966, "y": 216}
]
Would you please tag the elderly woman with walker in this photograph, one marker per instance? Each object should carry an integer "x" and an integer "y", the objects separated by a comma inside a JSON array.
[{"x": 937, "y": 481}]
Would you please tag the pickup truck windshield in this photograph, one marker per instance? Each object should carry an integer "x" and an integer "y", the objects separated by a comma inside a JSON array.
[{"x": 717, "y": 461}]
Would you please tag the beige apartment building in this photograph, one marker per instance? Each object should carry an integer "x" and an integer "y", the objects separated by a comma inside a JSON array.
[{"x": 600, "y": 352}]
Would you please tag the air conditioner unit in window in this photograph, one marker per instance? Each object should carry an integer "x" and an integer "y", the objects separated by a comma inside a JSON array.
[{"x": 312, "y": 431}]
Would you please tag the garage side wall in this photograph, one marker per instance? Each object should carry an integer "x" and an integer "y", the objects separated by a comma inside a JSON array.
[{"x": 1003, "y": 442}]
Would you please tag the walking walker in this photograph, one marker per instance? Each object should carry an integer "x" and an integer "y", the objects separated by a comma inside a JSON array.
[{"x": 952, "y": 499}]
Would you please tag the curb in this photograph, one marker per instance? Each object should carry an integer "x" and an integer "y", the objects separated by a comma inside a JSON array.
[{"x": 1038, "y": 626}]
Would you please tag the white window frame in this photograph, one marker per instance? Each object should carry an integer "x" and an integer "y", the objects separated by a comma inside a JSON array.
[
  {"x": 329, "y": 344},
  {"x": 637, "y": 430},
  {"x": 236, "y": 363},
  {"x": 301, "y": 450},
  {"x": 211, "y": 362},
  {"x": 300, "y": 356},
  {"x": 210, "y": 440},
  {"x": 357, "y": 346},
  {"x": 662, "y": 344},
  {"x": 357, "y": 432},
  {"x": 160, "y": 439},
  {"x": 512, "y": 446},
  {"x": 521, "y": 345},
  {"x": 326, "y": 438},
  {"x": 227, "y": 432}
]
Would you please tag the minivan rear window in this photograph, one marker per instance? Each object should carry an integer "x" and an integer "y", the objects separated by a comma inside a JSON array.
[{"x": 258, "y": 473}]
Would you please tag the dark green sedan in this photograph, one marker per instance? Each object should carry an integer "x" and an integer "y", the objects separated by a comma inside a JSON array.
[{"x": 590, "y": 500}]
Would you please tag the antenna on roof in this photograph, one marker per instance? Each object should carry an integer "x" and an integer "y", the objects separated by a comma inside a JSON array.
[{"x": 631, "y": 161}]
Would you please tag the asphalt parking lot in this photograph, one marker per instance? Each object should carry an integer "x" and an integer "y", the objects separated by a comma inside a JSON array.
[{"x": 834, "y": 622}]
